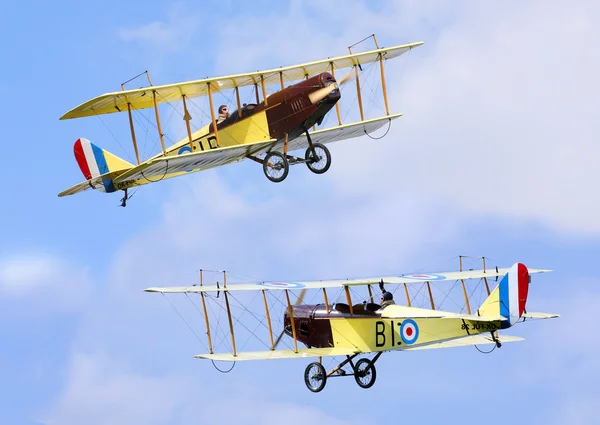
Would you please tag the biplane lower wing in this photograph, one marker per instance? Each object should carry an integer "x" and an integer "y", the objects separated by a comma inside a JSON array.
[
  {"x": 466, "y": 341},
  {"x": 172, "y": 166},
  {"x": 279, "y": 354}
]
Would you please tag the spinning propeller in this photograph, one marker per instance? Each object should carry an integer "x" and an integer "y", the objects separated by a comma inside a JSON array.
[
  {"x": 318, "y": 95},
  {"x": 298, "y": 301}
]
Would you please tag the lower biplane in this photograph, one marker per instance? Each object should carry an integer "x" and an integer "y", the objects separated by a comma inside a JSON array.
[
  {"x": 349, "y": 330},
  {"x": 266, "y": 131}
]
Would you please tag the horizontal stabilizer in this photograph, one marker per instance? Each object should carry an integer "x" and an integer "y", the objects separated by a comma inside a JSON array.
[
  {"x": 540, "y": 315},
  {"x": 400, "y": 312},
  {"x": 95, "y": 183},
  {"x": 278, "y": 354},
  {"x": 465, "y": 342}
]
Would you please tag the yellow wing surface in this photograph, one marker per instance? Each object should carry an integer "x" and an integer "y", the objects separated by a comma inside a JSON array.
[
  {"x": 464, "y": 341},
  {"x": 340, "y": 283},
  {"x": 144, "y": 97},
  {"x": 172, "y": 166}
]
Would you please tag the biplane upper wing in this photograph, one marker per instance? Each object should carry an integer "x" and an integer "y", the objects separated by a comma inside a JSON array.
[
  {"x": 145, "y": 97},
  {"x": 171, "y": 166},
  {"x": 339, "y": 283},
  {"x": 279, "y": 354},
  {"x": 465, "y": 341}
]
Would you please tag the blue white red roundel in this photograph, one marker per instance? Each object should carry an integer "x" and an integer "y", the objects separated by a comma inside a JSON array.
[
  {"x": 282, "y": 285},
  {"x": 424, "y": 276},
  {"x": 409, "y": 331}
]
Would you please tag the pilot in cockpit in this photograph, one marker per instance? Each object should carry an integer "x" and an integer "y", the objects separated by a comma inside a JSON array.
[
  {"x": 387, "y": 298},
  {"x": 223, "y": 114}
]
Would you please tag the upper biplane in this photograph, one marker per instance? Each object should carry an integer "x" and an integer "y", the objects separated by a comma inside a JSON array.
[
  {"x": 351, "y": 329},
  {"x": 265, "y": 131}
]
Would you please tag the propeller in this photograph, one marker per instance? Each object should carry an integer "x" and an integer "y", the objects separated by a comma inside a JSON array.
[
  {"x": 298, "y": 301},
  {"x": 320, "y": 94}
]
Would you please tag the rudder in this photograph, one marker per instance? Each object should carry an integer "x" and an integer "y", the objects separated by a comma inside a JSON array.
[
  {"x": 508, "y": 299},
  {"x": 95, "y": 162}
]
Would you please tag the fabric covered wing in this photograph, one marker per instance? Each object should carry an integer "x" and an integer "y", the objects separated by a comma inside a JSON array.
[
  {"x": 278, "y": 354},
  {"x": 143, "y": 98},
  {"x": 465, "y": 342},
  {"x": 342, "y": 132},
  {"x": 164, "y": 168},
  {"x": 339, "y": 283}
]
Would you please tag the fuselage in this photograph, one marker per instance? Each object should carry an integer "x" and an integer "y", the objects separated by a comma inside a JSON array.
[{"x": 287, "y": 112}]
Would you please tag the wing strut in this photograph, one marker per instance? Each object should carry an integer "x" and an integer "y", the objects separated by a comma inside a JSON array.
[
  {"x": 187, "y": 117},
  {"x": 430, "y": 295},
  {"x": 268, "y": 319},
  {"x": 291, "y": 312},
  {"x": 337, "y": 106},
  {"x": 210, "y": 347},
  {"x": 326, "y": 300},
  {"x": 462, "y": 281},
  {"x": 407, "y": 296},
  {"x": 212, "y": 114},
  {"x": 160, "y": 132},
  {"x": 229, "y": 311}
]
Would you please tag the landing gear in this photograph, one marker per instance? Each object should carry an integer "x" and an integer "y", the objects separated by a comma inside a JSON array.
[
  {"x": 496, "y": 340},
  {"x": 276, "y": 167},
  {"x": 318, "y": 158},
  {"x": 363, "y": 371},
  {"x": 124, "y": 198},
  {"x": 315, "y": 377}
]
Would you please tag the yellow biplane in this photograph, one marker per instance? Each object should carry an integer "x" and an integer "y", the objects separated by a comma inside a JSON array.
[
  {"x": 264, "y": 131},
  {"x": 347, "y": 329}
]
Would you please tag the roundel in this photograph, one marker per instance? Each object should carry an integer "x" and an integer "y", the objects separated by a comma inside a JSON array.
[
  {"x": 424, "y": 276},
  {"x": 185, "y": 149},
  {"x": 409, "y": 331},
  {"x": 285, "y": 285}
]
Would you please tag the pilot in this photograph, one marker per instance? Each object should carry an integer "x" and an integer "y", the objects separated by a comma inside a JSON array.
[
  {"x": 223, "y": 114},
  {"x": 387, "y": 298}
]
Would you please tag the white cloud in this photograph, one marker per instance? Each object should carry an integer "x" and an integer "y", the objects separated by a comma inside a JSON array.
[
  {"x": 100, "y": 391},
  {"x": 499, "y": 117},
  {"x": 160, "y": 37},
  {"x": 42, "y": 283}
]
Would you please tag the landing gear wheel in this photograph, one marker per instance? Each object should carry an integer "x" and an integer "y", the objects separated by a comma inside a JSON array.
[
  {"x": 364, "y": 373},
  {"x": 276, "y": 167},
  {"x": 322, "y": 162},
  {"x": 315, "y": 377}
]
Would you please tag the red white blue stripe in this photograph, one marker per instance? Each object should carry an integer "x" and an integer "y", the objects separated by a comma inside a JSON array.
[{"x": 514, "y": 287}]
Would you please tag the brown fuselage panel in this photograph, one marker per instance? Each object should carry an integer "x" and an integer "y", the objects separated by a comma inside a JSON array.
[{"x": 290, "y": 111}]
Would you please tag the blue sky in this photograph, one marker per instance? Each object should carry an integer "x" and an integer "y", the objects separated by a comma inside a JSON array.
[{"x": 495, "y": 156}]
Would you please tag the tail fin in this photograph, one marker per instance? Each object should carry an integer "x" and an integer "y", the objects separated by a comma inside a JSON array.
[
  {"x": 94, "y": 162},
  {"x": 509, "y": 297}
]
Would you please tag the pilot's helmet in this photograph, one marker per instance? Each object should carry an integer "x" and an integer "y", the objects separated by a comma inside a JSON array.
[
  {"x": 387, "y": 296},
  {"x": 223, "y": 109}
]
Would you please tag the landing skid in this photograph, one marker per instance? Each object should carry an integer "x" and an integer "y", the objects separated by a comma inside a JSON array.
[{"x": 364, "y": 372}]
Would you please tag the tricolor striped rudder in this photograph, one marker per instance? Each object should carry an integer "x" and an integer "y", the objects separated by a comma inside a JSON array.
[
  {"x": 509, "y": 297},
  {"x": 94, "y": 162}
]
